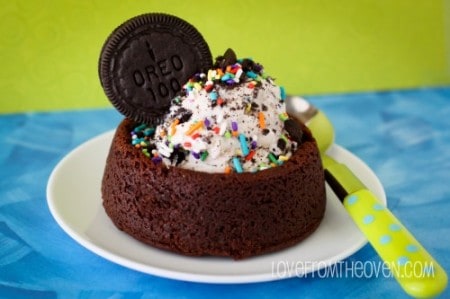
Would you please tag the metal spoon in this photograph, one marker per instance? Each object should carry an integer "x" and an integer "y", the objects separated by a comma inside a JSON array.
[{"x": 417, "y": 272}]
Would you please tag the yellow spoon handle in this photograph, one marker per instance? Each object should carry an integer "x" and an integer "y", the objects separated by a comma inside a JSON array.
[{"x": 413, "y": 267}]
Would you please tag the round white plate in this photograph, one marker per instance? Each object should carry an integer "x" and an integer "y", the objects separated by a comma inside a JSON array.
[{"x": 74, "y": 199}]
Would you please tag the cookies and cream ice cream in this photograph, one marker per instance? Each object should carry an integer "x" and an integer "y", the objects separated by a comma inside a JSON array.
[{"x": 231, "y": 118}]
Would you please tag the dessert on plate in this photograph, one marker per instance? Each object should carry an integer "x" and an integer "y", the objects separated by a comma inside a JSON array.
[{"x": 218, "y": 168}]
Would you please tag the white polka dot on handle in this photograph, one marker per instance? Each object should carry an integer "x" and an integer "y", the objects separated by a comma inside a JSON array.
[
  {"x": 402, "y": 260},
  {"x": 352, "y": 199},
  {"x": 395, "y": 227},
  {"x": 368, "y": 219},
  {"x": 412, "y": 248},
  {"x": 378, "y": 207},
  {"x": 385, "y": 239}
]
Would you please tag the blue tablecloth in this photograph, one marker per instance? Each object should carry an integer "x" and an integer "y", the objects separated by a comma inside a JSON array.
[{"x": 404, "y": 136}]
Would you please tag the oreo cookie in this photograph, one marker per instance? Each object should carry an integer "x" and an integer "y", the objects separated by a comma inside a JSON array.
[
  {"x": 294, "y": 130},
  {"x": 227, "y": 59},
  {"x": 145, "y": 62}
]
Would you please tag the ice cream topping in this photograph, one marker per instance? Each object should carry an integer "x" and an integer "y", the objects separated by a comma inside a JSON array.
[{"x": 231, "y": 118}]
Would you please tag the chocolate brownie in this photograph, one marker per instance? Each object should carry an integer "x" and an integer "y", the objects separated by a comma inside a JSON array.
[{"x": 237, "y": 215}]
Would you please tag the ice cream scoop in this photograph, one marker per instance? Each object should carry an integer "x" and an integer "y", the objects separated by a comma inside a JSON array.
[{"x": 414, "y": 268}]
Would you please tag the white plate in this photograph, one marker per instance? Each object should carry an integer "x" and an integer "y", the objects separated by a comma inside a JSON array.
[{"x": 73, "y": 195}]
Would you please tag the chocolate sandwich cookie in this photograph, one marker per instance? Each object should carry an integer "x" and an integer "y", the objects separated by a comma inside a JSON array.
[{"x": 145, "y": 62}]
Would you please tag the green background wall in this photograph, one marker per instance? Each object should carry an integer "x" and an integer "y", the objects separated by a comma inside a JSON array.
[{"x": 49, "y": 49}]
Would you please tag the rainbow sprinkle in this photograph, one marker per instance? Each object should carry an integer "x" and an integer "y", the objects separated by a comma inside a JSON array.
[
  {"x": 237, "y": 165},
  {"x": 243, "y": 71},
  {"x": 244, "y": 145}
]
